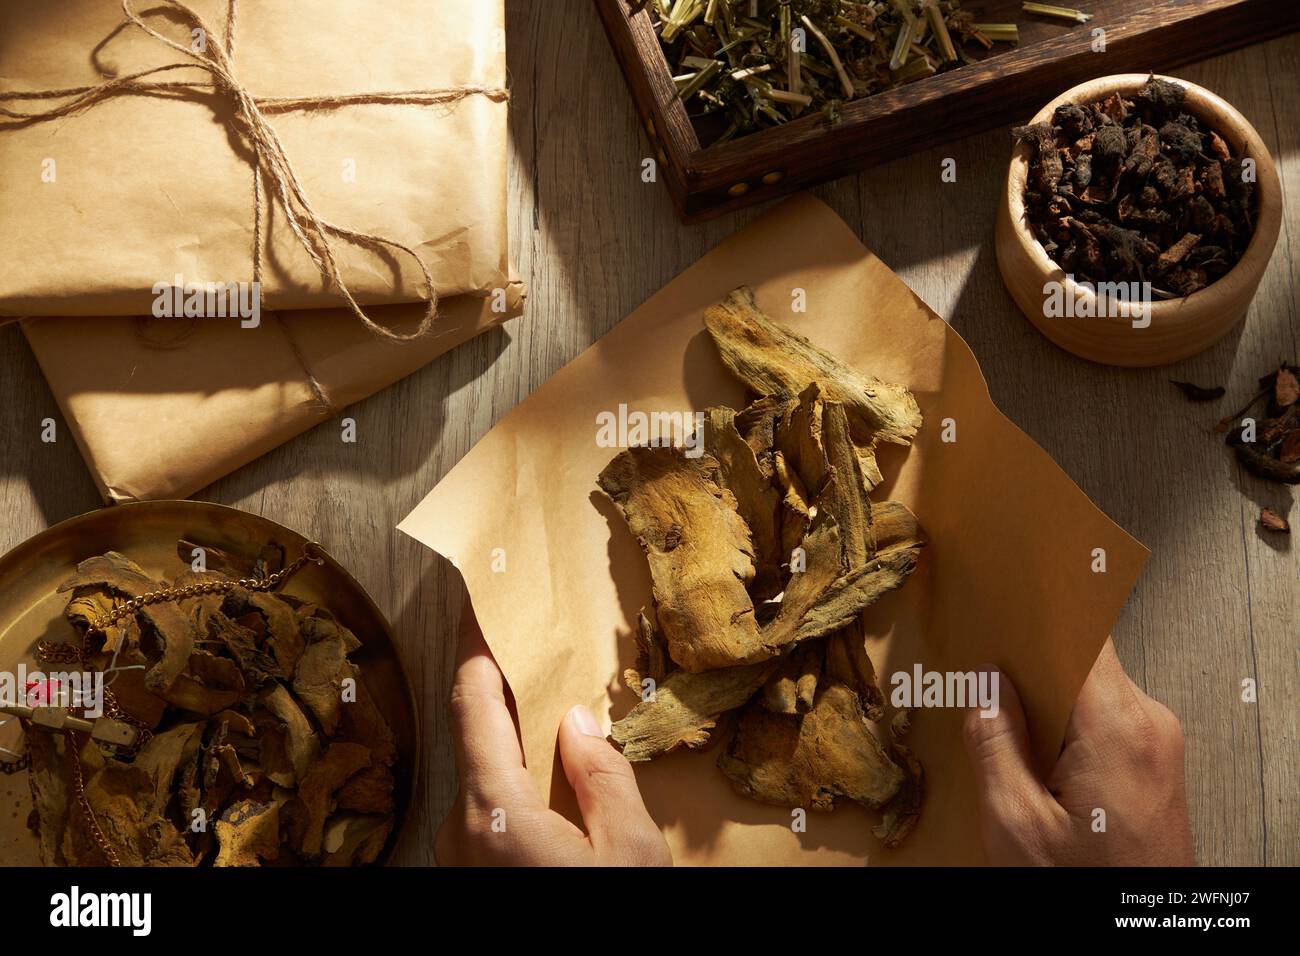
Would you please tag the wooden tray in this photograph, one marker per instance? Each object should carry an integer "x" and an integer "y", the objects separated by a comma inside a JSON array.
[
  {"x": 31, "y": 610},
  {"x": 1008, "y": 86}
]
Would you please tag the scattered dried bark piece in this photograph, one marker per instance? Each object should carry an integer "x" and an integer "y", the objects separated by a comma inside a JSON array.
[
  {"x": 652, "y": 660},
  {"x": 757, "y": 501},
  {"x": 284, "y": 638},
  {"x": 685, "y": 707},
  {"x": 318, "y": 680},
  {"x": 243, "y": 646},
  {"x": 800, "y": 443},
  {"x": 138, "y": 836},
  {"x": 763, "y": 555},
  {"x": 318, "y": 624},
  {"x": 313, "y": 802},
  {"x": 369, "y": 791},
  {"x": 901, "y": 813},
  {"x": 699, "y": 551},
  {"x": 757, "y": 422},
  {"x": 848, "y": 662},
  {"x": 248, "y": 834},
  {"x": 820, "y": 601},
  {"x": 209, "y": 685},
  {"x": 1286, "y": 388},
  {"x": 1288, "y": 451},
  {"x": 792, "y": 688},
  {"x": 844, "y": 495},
  {"x": 51, "y": 788},
  {"x": 354, "y": 839},
  {"x": 1200, "y": 393},
  {"x": 770, "y": 358},
  {"x": 811, "y": 760},
  {"x": 301, "y": 742},
  {"x": 853, "y": 593},
  {"x": 895, "y": 527},
  {"x": 900, "y": 725},
  {"x": 1272, "y": 521},
  {"x": 362, "y": 723},
  {"x": 169, "y": 627},
  {"x": 1268, "y": 446},
  {"x": 162, "y": 755}
]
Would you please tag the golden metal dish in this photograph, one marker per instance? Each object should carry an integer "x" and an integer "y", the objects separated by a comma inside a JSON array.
[{"x": 31, "y": 610}]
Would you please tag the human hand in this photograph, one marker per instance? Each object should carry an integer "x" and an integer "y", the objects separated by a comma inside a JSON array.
[
  {"x": 1123, "y": 754},
  {"x": 499, "y": 818}
]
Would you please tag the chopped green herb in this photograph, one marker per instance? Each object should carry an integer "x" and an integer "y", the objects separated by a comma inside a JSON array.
[{"x": 746, "y": 65}]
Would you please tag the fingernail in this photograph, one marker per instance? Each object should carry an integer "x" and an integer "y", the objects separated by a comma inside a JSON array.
[{"x": 585, "y": 722}]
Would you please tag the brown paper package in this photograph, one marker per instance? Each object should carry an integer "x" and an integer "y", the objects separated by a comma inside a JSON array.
[
  {"x": 1006, "y": 579},
  {"x": 137, "y": 189},
  {"x": 162, "y": 407}
]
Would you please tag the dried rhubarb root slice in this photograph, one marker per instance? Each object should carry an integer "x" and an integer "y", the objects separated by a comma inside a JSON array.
[
  {"x": 757, "y": 501},
  {"x": 763, "y": 554},
  {"x": 684, "y": 708},
  {"x": 901, "y": 813},
  {"x": 248, "y": 834},
  {"x": 792, "y": 688},
  {"x": 812, "y": 760},
  {"x": 116, "y": 574},
  {"x": 699, "y": 549},
  {"x": 652, "y": 660},
  {"x": 770, "y": 358}
]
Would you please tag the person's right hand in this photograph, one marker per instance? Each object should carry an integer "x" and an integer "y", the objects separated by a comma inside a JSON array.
[
  {"x": 1123, "y": 754},
  {"x": 499, "y": 818}
]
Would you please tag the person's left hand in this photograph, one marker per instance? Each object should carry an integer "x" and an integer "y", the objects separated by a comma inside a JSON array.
[{"x": 499, "y": 818}]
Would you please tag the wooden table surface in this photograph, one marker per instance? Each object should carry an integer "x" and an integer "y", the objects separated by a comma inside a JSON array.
[{"x": 1217, "y": 604}]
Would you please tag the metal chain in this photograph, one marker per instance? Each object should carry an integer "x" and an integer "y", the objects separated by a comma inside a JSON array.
[
  {"x": 65, "y": 653},
  {"x": 310, "y": 552},
  {"x": 79, "y": 788},
  {"x": 15, "y": 765}
]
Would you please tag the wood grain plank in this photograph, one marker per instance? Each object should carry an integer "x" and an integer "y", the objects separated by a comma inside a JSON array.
[
  {"x": 1218, "y": 603},
  {"x": 1273, "y": 562}
]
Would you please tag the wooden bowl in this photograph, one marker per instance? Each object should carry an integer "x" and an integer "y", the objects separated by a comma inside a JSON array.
[{"x": 1179, "y": 327}]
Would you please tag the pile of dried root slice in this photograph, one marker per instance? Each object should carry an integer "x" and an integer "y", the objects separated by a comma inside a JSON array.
[
  {"x": 764, "y": 551},
  {"x": 260, "y": 744}
]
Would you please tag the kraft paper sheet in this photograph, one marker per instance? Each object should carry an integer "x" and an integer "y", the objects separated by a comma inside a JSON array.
[
  {"x": 1006, "y": 578},
  {"x": 162, "y": 407},
  {"x": 146, "y": 187}
]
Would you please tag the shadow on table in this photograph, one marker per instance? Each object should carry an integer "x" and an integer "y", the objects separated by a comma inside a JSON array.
[
  {"x": 426, "y": 629},
  {"x": 54, "y": 472},
  {"x": 385, "y": 422}
]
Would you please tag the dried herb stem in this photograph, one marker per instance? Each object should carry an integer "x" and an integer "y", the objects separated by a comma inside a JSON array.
[
  {"x": 697, "y": 82},
  {"x": 852, "y": 27},
  {"x": 783, "y": 96},
  {"x": 1061, "y": 13},
  {"x": 935, "y": 17},
  {"x": 747, "y": 72},
  {"x": 998, "y": 32},
  {"x": 829, "y": 47},
  {"x": 903, "y": 42},
  {"x": 764, "y": 63}
]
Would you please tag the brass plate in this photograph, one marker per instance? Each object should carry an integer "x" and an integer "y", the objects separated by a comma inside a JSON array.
[{"x": 147, "y": 532}]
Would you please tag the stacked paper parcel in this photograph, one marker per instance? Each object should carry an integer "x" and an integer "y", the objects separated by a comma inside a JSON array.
[{"x": 393, "y": 119}]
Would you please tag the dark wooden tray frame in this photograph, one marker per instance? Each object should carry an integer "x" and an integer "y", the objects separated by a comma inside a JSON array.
[{"x": 705, "y": 182}]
